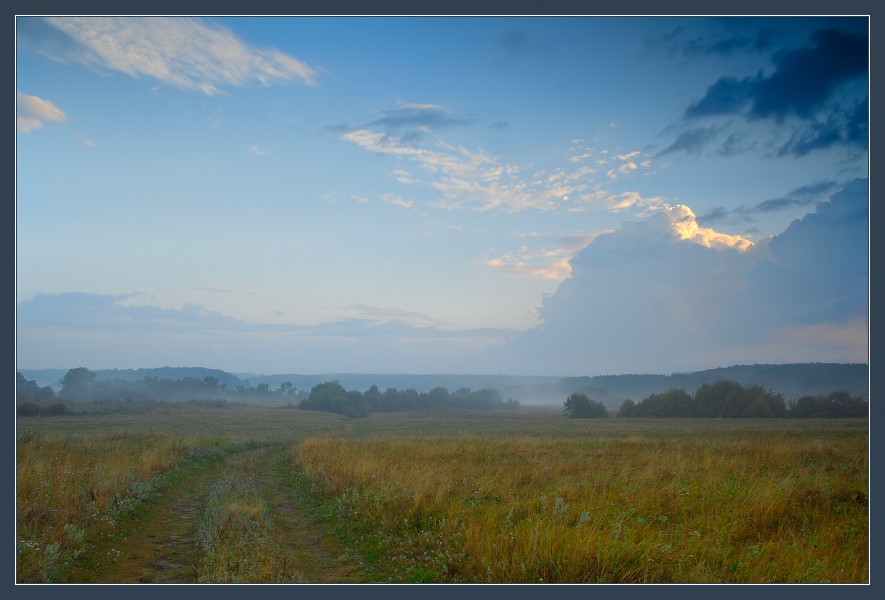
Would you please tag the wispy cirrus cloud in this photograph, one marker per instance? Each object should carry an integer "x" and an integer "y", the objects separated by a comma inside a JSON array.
[
  {"x": 188, "y": 53},
  {"x": 32, "y": 111},
  {"x": 397, "y": 201},
  {"x": 464, "y": 178},
  {"x": 218, "y": 290},
  {"x": 388, "y": 315}
]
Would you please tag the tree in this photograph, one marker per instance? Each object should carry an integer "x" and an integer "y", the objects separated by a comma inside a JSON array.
[
  {"x": 77, "y": 383},
  {"x": 332, "y": 397},
  {"x": 579, "y": 406},
  {"x": 28, "y": 389},
  {"x": 627, "y": 407}
]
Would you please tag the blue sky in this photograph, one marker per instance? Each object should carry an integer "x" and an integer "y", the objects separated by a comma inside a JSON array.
[{"x": 557, "y": 196}]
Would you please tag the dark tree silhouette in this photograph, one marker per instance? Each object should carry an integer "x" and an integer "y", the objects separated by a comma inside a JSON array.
[{"x": 579, "y": 406}]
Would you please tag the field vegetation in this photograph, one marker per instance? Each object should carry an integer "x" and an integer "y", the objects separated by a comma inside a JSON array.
[
  {"x": 742, "y": 507},
  {"x": 435, "y": 494},
  {"x": 66, "y": 485}
]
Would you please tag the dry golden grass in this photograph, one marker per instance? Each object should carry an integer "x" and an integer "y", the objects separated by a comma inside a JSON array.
[
  {"x": 747, "y": 505},
  {"x": 64, "y": 484}
]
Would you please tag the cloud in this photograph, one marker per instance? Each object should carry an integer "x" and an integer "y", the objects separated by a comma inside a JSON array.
[
  {"x": 664, "y": 295},
  {"x": 801, "y": 196},
  {"x": 465, "y": 177},
  {"x": 626, "y": 168},
  {"x": 99, "y": 331},
  {"x": 544, "y": 263},
  {"x": 217, "y": 290},
  {"x": 188, "y": 53},
  {"x": 33, "y": 111},
  {"x": 423, "y": 117},
  {"x": 259, "y": 151},
  {"x": 803, "y": 80},
  {"x": 804, "y": 86},
  {"x": 691, "y": 141},
  {"x": 674, "y": 43},
  {"x": 616, "y": 203},
  {"x": 844, "y": 127},
  {"x": 388, "y": 315},
  {"x": 396, "y": 201}
]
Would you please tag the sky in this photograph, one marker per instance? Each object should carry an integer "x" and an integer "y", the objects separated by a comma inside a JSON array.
[{"x": 524, "y": 196}]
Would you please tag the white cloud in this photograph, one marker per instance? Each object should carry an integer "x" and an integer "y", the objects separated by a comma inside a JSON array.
[
  {"x": 36, "y": 110},
  {"x": 185, "y": 52},
  {"x": 26, "y": 124},
  {"x": 663, "y": 295},
  {"x": 471, "y": 178},
  {"x": 626, "y": 168},
  {"x": 622, "y": 202},
  {"x": 397, "y": 201},
  {"x": 628, "y": 156},
  {"x": 544, "y": 263}
]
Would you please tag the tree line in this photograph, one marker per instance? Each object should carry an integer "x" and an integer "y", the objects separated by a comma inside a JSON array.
[
  {"x": 725, "y": 399},
  {"x": 81, "y": 384},
  {"x": 332, "y": 397}
]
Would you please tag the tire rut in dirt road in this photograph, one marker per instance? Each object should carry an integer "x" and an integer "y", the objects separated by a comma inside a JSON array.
[
  {"x": 319, "y": 558},
  {"x": 157, "y": 544}
]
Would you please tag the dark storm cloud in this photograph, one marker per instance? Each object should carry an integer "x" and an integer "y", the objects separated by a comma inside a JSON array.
[
  {"x": 691, "y": 141},
  {"x": 735, "y": 143},
  {"x": 673, "y": 43},
  {"x": 803, "y": 80},
  {"x": 802, "y": 196},
  {"x": 844, "y": 127},
  {"x": 727, "y": 96}
]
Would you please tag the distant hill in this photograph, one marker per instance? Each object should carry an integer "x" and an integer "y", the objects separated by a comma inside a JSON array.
[{"x": 793, "y": 381}]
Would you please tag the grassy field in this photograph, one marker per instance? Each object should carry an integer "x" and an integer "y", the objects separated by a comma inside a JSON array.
[{"x": 521, "y": 496}]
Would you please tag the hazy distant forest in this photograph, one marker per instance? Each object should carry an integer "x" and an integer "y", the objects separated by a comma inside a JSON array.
[{"x": 724, "y": 398}]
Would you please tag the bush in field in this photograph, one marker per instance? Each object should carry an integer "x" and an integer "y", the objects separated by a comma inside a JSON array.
[
  {"x": 27, "y": 409},
  {"x": 579, "y": 406}
]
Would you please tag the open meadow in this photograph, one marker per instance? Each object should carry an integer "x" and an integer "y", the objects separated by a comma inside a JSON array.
[{"x": 163, "y": 492}]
